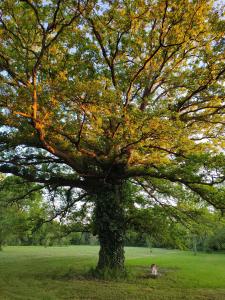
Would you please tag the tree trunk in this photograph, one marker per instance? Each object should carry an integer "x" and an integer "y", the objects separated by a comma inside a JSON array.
[{"x": 109, "y": 221}]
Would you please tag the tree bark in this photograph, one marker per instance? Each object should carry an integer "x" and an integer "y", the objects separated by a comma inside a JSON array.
[{"x": 109, "y": 221}]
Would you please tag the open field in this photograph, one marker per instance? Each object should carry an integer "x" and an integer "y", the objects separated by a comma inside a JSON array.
[{"x": 61, "y": 273}]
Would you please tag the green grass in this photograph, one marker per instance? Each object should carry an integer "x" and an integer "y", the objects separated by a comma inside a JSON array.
[{"x": 61, "y": 273}]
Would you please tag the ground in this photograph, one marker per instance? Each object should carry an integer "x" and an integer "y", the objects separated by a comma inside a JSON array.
[{"x": 62, "y": 273}]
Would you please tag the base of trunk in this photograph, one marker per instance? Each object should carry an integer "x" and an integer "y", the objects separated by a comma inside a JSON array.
[
  {"x": 109, "y": 221},
  {"x": 111, "y": 256}
]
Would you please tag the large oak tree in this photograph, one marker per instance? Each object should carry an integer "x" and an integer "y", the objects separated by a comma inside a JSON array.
[{"x": 96, "y": 93}]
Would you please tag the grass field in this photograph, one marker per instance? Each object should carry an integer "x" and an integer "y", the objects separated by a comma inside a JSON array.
[{"x": 61, "y": 273}]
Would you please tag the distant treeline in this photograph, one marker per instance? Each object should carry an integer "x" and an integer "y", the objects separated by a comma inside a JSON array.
[{"x": 52, "y": 235}]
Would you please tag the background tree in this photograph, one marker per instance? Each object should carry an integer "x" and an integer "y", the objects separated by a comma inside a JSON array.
[
  {"x": 21, "y": 206},
  {"x": 94, "y": 93}
]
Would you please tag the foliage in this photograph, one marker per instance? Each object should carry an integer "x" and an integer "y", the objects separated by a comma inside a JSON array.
[
  {"x": 21, "y": 206},
  {"x": 217, "y": 240}
]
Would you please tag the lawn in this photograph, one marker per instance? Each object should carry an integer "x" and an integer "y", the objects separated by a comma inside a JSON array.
[{"x": 61, "y": 273}]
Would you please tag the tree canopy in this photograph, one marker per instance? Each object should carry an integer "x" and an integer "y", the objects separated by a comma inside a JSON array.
[{"x": 95, "y": 93}]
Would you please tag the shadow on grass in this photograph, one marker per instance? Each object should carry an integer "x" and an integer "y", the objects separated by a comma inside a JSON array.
[
  {"x": 129, "y": 275},
  {"x": 92, "y": 274}
]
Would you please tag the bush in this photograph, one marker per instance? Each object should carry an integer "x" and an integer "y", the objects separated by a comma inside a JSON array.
[{"x": 216, "y": 242}]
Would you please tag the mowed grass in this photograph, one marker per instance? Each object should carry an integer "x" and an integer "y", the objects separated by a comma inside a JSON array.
[{"x": 62, "y": 273}]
